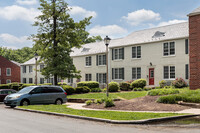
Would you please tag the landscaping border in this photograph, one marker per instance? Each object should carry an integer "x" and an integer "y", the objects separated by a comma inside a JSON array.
[{"x": 146, "y": 121}]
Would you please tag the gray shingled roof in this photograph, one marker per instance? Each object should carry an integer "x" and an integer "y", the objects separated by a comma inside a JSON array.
[
  {"x": 15, "y": 62},
  {"x": 30, "y": 62},
  {"x": 174, "y": 31},
  {"x": 195, "y": 12}
]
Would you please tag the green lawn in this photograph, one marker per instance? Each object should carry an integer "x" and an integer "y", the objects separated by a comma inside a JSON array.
[
  {"x": 122, "y": 95},
  {"x": 112, "y": 115}
]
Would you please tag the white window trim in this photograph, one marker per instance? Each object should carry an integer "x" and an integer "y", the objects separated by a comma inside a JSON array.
[
  {"x": 29, "y": 69},
  {"x": 169, "y": 72},
  {"x": 88, "y": 61},
  {"x": 117, "y": 74},
  {"x": 7, "y": 73},
  {"x": 136, "y": 52},
  {"x": 137, "y": 73},
  {"x": 102, "y": 77},
  {"x": 102, "y": 59},
  {"x": 117, "y": 54},
  {"x": 165, "y": 56},
  {"x": 88, "y": 77}
]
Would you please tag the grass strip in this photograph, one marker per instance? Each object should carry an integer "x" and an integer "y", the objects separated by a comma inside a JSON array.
[{"x": 111, "y": 115}]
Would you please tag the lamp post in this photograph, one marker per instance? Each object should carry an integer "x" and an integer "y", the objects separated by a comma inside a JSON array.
[
  {"x": 107, "y": 41},
  {"x": 36, "y": 57}
]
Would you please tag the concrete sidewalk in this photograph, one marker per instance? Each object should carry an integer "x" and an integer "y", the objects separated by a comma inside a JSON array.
[{"x": 80, "y": 106}]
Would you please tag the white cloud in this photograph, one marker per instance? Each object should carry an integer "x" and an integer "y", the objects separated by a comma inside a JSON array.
[
  {"x": 175, "y": 21},
  {"x": 11, "y": 41},
  {"x": 15, "y": 12},
  {"x": 141, "y": 16},
  {"x": 26, "y": 2},
  {"x": 76, "y": 10},
  {"x": 110, "y": 30}
]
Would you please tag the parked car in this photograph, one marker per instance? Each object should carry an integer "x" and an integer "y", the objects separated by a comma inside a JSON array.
[
  {"x": 37, "y": 95},
  {"x": 5, "y": 92}
]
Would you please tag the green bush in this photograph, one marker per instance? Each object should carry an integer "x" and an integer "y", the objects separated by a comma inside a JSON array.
[
  {"x": 139, "y": 83},
  {"x": 69, "y": 90},
  {"x": 86, "y": 89},
  {"x": 137, "y": 89},
  {"x": 96, "y": 90},
  {"x": 124, "y": 86},
  {"x": 26, "y": 85},
  {"x": 88, "y": 102},
  {"x": 113, "y": 87},
  {"x": 147, "y": 88},
  {"x": 15, "y": 86},
  {"x": 4, "y": 86},
  {"x": 98, "y": 101},
  {"x": 90, "y": 84},
  {"x": 179, "y": 83},
  {"x": 171, "y": 99},
  {"x": 108, "y": 102},
  {"x": 60, "y": 83},
  {"x": 158, "y": 92},
  {"x": 83, "y": 89},
  {"x": 162, "y": 83},
  {"x": 157, "y": 87},
  {"x": 47, "y": 84}
]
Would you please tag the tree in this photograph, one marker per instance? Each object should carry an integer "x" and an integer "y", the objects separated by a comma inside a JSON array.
[
  {"x": 93, "y": 39},
  {"x": 57, "y": 34}
]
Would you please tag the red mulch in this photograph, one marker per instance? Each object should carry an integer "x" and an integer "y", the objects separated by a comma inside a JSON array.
[{"x": 146, "y": 103}]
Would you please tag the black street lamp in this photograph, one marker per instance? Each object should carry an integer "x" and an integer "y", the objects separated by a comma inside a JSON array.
[
  {"x": 36, "y": 58},
  {"x": 107, "y": 41}
]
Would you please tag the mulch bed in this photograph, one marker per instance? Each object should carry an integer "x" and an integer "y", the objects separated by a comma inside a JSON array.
[{"x": 146, "y": 103}]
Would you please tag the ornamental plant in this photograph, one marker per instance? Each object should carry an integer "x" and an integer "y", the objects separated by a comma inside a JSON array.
[{"x": 179, "y": 83}]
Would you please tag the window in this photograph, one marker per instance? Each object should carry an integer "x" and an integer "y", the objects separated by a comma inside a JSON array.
[
  {"x": 136, "y": 73},
  {"x": 30, "y": 69},
  {"x": 117, "y": 53},
  {"x": 118, "y": 73},
  {"x": 186, "y": 71},
  {"x": 50, "y": 80},
  {"x": 136, "y": 52},
  {"x": 88, "y": 77},
  {"x": 186, "y": 46},
  {"x": 169, "y": 72},
  {"x": 8, "y": 71},
  {"x": 101, "y": 59},
  {"x": 30, "y": 80},
  {"x": 169, "y": 48},
  {"x": 8, "y": 81},
  {"x": 41, "y": 67},
  {"x": 70, "y": 80},
  {"x": 0, "y": 71},
  {"x": 24, "y": 80},
  {"x": 41, "y": 80},
  {"x": 24, "y": 69},
  {"x": 88, "y": 61},
  {"x": 101, "y": 77}
]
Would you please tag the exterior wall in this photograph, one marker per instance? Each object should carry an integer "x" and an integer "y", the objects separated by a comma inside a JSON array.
[
  {"x": 15, "y": 71},
  {"x": 153, "y": 53},
  {"x": 194, "y": 33}
]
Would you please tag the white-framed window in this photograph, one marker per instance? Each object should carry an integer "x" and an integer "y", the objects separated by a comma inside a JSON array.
[
  {"x": 186, "y": 71},
  {"x": 169, "y": 72},
  {"x": 30, "y": 80},
  {"x": 186, "y": 46},
  {"x": 70, "y": 80},
  {"x": 0, "y": 71},
  {"x": 24, "y": 69},
  {"x": 41, "y": 67},
  {"x": 101, "y": 60},
  {"x": 136, "y": 72},
  {"x": 117, "y": 53},
  {"x": 88, "y": 61},
  {"x": 24, "y": 80},
  {"x": 136, "y": 52},
  {"x": 41, "y": 80},
  {"x": 8, "y": 71},
  {"x": 118, "y": 73},
  {"x": 30, "y": 69},
  {"x": 88, "y": 77},
  {"x": 168, "y": 48},
  {"x": 50, "y": 80},
  {"x": 101, "y": 77},
  {"x": 8, "y": 81}
]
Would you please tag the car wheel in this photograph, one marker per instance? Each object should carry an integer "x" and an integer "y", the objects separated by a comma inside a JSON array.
[
  {"x": 58, "y": 102},
  {"x": 24, "y": 103},
  {"x": 13, "y": 106}
]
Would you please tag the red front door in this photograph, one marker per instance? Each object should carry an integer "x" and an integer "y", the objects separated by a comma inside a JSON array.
[{"x": 151, "y": 76}]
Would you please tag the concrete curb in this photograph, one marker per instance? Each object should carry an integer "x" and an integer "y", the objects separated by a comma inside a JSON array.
[{"x": 146, "y": 121}]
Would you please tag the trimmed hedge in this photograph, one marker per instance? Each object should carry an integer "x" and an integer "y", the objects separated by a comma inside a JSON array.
[
  {"x": 4, "y": 86},
  {"x": 68, "y": 89},
  {"x": 90, "y": 84},
  {"x": 139, "y": 83},
  {"x": 83, "y": 89},
  {"x": 26, "y": 85},
  {"x": 95, "y": 90},
  {"x": 158, "y": 92},
  {"x": 113, "y": 87},
  {"x": 60, "y": 83},
  {"x": 124, "y": 86}
]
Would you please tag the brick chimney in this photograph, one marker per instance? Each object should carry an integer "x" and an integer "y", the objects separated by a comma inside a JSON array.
[{"x": 194, "y": 47}]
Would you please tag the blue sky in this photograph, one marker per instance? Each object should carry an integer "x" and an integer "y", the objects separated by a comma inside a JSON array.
[{"x": 115, "y": 18}]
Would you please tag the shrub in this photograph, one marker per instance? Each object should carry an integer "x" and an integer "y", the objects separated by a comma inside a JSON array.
[
  {"x": 113, "y": 87},
  {"x": 15, "y": 86},
  {"x": 95, "y": 90},
  {"x": 90, "y": 84},
  {"x": 88, "y": 102},
  {"x": 147, "y": 89},
  {"x": 139, "y": 83},
  {"x": 60, "y": 83},
  {"x": 83, "y": 89},
  {"x": 157, "y": 92},
  {"x": 171, "y": 99},
  {"x": 69, "y": 90},
  {"x": 179, "y": 83},
  {"x": 86, "y": 89},
  {"x": 158, "y": 87},
  {"x": 26, "y": 85},
  {"x": 4, "y": 86},
  {"x": 98, "y": 101},
  {"x": 162, "y": 83},
  {"x": 137, "y": 89},
  {"x": 109, "y": 102},
  {"x": 47, "y": 84},
  {"x": 124, "y": 86}
]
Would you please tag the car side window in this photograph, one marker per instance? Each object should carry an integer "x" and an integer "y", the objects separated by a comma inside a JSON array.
[{"x": 37, "y": 90}]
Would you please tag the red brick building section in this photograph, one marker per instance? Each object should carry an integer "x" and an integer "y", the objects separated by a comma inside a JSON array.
[
  {"x": 194, "y": 55},
  {"x": 14, "y": 73}
]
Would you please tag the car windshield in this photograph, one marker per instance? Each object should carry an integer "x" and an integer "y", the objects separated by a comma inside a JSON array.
[{"x": 26, "y": 90}]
